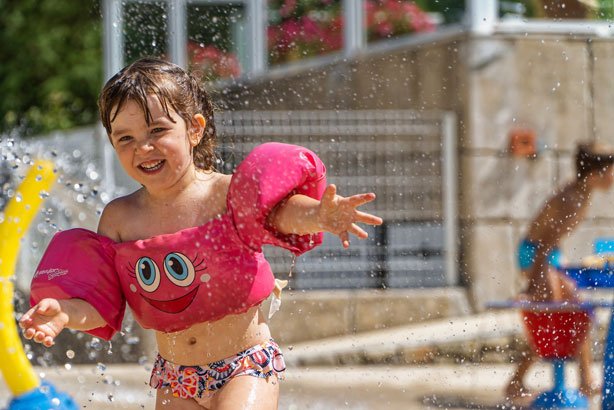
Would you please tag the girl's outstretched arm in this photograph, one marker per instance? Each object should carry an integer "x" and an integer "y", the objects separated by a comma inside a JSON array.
[
  {"x": 301, "y": 215},
  {"x": 44, "y": 321}
]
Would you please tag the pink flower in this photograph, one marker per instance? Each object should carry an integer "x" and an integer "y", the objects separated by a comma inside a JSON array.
[
  {"x": 393, "y": 7},
  {"x": 417, "y": 19},
  {"x": 290, "y": 31},
  {"x": 210, "y": 60},
  {"x": 384, "y": 29},
  {"x": 227, "y": 66},
  {"x": 310, "y": 30},
  {"x": 287, "y": 8},
  {"x": 273, "y": 36},
  {"x": 370, "y": 9},
  {"x": 208, "y": 53}
]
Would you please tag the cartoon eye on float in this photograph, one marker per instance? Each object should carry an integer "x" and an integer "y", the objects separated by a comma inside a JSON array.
[
  {"x": 179, "y": 269},
  {"x": 147, "y": 274}
]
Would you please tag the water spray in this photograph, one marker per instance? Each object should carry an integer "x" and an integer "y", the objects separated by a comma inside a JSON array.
[{"x": 25, "y": 385}]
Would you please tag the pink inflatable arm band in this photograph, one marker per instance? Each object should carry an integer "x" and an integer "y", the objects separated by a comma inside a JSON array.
[
  {"x": 271, "y": 173},
  {"x": 79, "y": 264}
]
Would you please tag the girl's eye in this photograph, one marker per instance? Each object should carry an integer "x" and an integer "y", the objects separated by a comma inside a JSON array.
[
  {"x": 155, "y": 130},
  {"x": 179, "y": 269},
  {"x": 147, "y": 274},
  {"x": 125, "y": 138}
]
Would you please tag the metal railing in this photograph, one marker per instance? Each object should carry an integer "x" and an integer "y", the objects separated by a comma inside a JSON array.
[{"x": 407, "y": 158}]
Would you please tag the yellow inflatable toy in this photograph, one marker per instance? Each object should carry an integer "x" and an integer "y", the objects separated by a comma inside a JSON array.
[{"x": 18, "y": 214}]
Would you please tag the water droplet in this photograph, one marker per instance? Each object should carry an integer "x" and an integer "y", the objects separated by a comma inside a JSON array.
[
  {"x": 70, "y": 354},
  {"x": 101, "y": 366},
  {"x": 132, "y": 340},
  {"x": 95, "y": 343}
]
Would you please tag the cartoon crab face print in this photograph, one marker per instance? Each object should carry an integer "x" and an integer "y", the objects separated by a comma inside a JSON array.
[{"x": 176, "y": 277}]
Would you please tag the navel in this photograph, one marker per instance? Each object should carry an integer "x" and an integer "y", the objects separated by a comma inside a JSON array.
[{"x": 192, "y": 341}]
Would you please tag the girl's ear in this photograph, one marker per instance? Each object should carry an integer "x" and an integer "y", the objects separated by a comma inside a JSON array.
[{"x": 196, "y": 129}]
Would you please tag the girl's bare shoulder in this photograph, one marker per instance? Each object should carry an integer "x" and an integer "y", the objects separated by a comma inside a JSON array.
[
  {"x": 221, "y": 183},
  {"x": 116, "y": 214}
]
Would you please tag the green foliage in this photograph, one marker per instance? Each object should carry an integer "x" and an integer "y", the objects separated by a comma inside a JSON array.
[
  {"x": 145, "y": 27},
  {"x": 606, "y": 10},
  {"x": 51, "y": 70},
  {"x": 451, "y": 10}
]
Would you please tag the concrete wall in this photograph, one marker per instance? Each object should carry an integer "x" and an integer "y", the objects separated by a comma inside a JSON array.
[
  {"x": 557, "y": 85},
  {"x": 311, "y": 315}
]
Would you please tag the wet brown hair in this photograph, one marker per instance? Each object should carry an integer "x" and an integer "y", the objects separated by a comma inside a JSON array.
[
  {"x": 593, "y": 156},
  {"x": 174, "y": 87}
]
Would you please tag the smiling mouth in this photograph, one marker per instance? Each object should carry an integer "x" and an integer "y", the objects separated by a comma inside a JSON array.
[
  {"x": 151, "y": 166},
  {"x": 174, "y": 305}
]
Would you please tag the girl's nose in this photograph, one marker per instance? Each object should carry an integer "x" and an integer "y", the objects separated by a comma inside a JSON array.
[{"x": 144, "y": 146}]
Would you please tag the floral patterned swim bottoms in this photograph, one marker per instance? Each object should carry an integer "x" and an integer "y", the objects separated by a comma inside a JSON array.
[{"x": 263, "y": 360}]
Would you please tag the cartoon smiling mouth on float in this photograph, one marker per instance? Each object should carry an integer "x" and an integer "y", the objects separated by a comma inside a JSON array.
[
  {"x": 173, "y": 305},
  {"x": 179, "y": 269}
]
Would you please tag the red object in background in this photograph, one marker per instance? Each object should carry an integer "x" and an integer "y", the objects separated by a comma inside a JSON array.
[
  {"x": 523, "y": 142},
  {"x": 212, "y": 62},
  {"x": 558, "y": 334}
]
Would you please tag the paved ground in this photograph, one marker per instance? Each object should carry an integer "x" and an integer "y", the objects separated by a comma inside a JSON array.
[{"x": 320, "y": 388}]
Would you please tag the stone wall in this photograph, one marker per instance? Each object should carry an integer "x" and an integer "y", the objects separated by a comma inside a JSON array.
[
  {"x": 559, "y": 86},
  {"x": 312, "y": 315}
]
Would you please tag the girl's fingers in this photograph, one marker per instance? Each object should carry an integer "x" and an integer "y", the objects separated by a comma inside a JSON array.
[
  {"x": 360, "y": 199},
  {"x": 329, "y": 193},
  {"x": 39, "y": 337},
  {"x": 25, "y": 322},
  {"x": 43, "y": 306},
  {"x": 366, "y": 218},
  {"x": 28, "y": 333},
  {"x": 48, "y": 341},
  {"x": 359, "y": 232},
  {"x": 345, "y": 239}
]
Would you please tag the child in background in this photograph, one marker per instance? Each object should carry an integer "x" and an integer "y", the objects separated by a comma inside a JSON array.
[
  {"x": 184, "y": 250},
  {"x": 539, "y": 255}
]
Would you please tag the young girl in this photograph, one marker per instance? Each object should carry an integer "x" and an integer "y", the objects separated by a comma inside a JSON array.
[
  {"x": 539, "y": 256},
  {"x": 185, "y": 250}
]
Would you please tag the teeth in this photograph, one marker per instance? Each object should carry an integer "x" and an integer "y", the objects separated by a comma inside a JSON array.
[{"x": 151, "y": 167}]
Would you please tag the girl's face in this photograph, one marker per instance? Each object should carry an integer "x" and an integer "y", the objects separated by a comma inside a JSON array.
[{"x": 157, "y": 155}]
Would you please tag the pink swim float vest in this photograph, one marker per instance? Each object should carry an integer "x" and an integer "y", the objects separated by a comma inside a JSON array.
[{"x": 199, "y": 274}]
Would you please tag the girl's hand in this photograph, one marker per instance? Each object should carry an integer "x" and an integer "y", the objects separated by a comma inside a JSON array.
[
  {"x": 44, "y": 322},
  {"x": 338, "y": 215}
]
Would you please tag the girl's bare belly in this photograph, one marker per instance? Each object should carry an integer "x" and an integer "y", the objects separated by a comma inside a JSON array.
[{"x": 208, "y": 342}]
